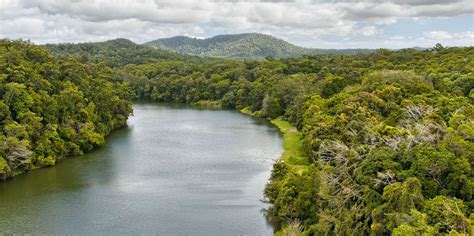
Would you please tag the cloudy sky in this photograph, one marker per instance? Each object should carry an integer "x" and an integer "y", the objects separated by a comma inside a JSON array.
[{"x": 310, "y": 23}]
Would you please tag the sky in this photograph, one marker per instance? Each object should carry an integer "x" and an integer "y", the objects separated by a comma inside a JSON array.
[{"x": 308, "y": 23}]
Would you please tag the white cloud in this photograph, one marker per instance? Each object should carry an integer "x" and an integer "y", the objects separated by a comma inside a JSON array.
[
  {"x": 302, "y": 21},
  {"x": 428, "y": 40},
  {"x": 438, "y": 35},
  {"x": 381, "y": 10},
  {"x": 464, "y": 38},
  {"x": 368, "y": 31}
]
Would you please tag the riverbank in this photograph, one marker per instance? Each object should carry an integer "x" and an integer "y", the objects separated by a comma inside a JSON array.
[
  {"x": 292, "y": 143},
  {"x": 294, "y": 157},
  {"x": 172, "y": 171},
  {"x": 293, "y": 153},
  {"x": 6, "y": 173}
]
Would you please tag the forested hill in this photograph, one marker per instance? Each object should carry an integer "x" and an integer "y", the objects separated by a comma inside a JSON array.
[
  {"x": 241, "y": 46},
  {"x": 118, "y": 52}
]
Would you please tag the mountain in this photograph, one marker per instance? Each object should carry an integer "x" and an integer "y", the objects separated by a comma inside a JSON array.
[
  {"x": 241, "y": 46},
  {"x": 118, "y": 52}
]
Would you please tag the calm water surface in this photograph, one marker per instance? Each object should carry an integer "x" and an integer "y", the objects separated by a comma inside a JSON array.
[{"x": 172, "y": 171}]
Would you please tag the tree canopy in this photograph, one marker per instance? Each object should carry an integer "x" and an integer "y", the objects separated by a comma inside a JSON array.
[{"x": 53, "y": 107}]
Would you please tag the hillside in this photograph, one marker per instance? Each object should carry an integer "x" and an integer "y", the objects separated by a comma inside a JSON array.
[
  {"x": 118, "y": 52},
  {"x": 241, "y": 46}
]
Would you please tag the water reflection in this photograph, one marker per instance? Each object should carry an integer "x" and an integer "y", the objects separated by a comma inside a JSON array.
[{"x": 173, "y": 170}]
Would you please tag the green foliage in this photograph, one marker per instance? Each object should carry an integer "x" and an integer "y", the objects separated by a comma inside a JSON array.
[
  {"x": 332, "y": 85},
  {"x": 402, "y": 197},
  {"x": 48, "y": 161},
  {"x": 293, "y": 193},
  {"x": 5, "y": 169},
  {"x": 53, "y": 107},
  {"x": 294, "y": 228},
  {"x": 448, "y": 214},
  {"x": 417, "y": 225}
]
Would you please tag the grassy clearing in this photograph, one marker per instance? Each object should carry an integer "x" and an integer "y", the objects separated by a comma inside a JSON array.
[
  {"x": 208, "y": 104},
  {"x": 292, "y": 143},
  {"x": 293, "y": 153}
]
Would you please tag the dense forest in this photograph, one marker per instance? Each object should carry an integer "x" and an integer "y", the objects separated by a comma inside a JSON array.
[
  {"x": 53, "y": 107},
  {"x": 386, "y": 137},
  {"x": 120, "y": 52}
]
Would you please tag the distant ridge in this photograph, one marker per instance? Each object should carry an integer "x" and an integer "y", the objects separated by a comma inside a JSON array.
[
  {"x": 242, "y": 46},
  {"x": 118, "y": 52}
]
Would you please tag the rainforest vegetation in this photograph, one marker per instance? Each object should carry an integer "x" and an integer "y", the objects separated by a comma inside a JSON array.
[
  {"x": 378, "y": 143},
  {"x": 53, "y": 107}
]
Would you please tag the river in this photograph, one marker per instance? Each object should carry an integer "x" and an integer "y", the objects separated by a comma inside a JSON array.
[{"x": 171, "y": 171}]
